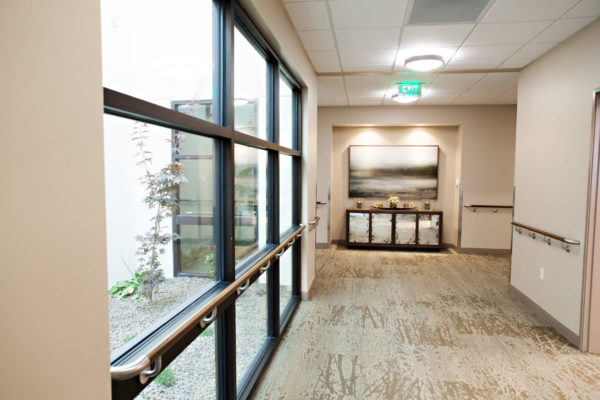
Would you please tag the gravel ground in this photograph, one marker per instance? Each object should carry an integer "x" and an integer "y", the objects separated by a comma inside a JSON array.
[{"x": 194, "y": 369}]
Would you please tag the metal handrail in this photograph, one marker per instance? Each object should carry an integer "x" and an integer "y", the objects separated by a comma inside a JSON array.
[
  {"x": 565, "y": 242},
  {"x": 204, "y": 316},
  {"x": 313, "y": 224}
]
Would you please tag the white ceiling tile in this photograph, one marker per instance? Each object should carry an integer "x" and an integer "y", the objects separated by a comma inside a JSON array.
[
  {"x": 481, "y": 57},
  {"x": 349, "y": 14},
  {"x": 367, "y": 60},
  {"x": 369, "y": 38},
  {"x": 431, "y": 36},
  {"x": 587, "y": 8},
  {"x": 472, "y": 100},
  {"x": 317, "y": 40},
  {"x": 308, "y": 15},
  {"x": 508, "y": 97},
  {"x": 483, "y": 91},
  {"x": 562, "y": 29},
  {"x": 404, "y": 53},
  {"x": 365, "y": 101},
  {"x": 527, "y": 54},
  {"x": 331, "y": 91},
  {"x": 527, "y": 10},
  {"x": 453, "y": 84},
  {"x": 505, "y": 33},
  {"x": 499, "y": 80},
  {"x": 366, "y": 86},
  {"x": 325, "y": 61},
  {"x": 435, "y": 100}
]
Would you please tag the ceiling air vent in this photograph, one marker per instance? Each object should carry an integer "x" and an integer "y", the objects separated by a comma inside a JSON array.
[{"x": 444, "y": 11}]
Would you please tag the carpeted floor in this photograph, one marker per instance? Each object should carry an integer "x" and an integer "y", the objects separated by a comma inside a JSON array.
[{"x": 399, "y": 325}]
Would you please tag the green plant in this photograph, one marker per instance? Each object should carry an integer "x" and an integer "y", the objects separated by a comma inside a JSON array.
[
  {"x": 127, "y": 287},
  {"x": 161, "y": 188},
  {"x": 130, "y": 338},
  {"x": 207, "y": 332},
  {"x": 210, "y": 260},
  {"x": 166, "y": 378}
]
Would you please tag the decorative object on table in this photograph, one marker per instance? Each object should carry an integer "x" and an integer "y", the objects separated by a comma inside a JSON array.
[
  {"x": 427, "y": 206},
  {"x": 393, "y": 200},
  {"x": 378, "y": 205},
  {"x": 359, "y": 204},
  {"x": 411, "y": 205},
  {"x": 409, "y": 171}
]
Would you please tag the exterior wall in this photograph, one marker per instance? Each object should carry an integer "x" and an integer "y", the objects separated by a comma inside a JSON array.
[
  {"x": 445, "y": 137},
  {"x": 551, "y": 171},
  {"x": 271, "y": 16},
  {"x": 484, "y": 163},
  {"x": 53, "y": 292}
]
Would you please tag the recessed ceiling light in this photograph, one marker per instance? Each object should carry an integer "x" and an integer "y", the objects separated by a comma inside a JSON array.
[
  {"x": 424, "y": 63},
  {"x": 404, "y": 99}
]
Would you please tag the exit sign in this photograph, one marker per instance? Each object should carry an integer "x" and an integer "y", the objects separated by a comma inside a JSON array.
[{"x": 409, "y": 89}]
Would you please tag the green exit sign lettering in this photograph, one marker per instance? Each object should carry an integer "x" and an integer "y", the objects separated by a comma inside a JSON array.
[{"x": 409, "y": 89}]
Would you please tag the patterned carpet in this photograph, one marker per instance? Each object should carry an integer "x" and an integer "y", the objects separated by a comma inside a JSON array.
[{"x": 399, "y": 325}]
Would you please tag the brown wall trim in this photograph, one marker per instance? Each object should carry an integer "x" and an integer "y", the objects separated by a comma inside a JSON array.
[
  {"x": 562, "y": 330},
  {"x": 322, "y": 245},
  {"x": 475, "y": 250}
]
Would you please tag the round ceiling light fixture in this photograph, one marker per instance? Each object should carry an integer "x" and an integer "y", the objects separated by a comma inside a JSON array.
[
  {"x": 404, "y": 99},
  {"x": 424, "y": 63}
]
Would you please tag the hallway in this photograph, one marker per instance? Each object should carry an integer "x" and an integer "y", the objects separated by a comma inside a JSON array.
[{"x": 393, "y": 325}]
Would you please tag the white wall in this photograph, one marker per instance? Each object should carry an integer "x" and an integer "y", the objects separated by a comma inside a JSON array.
[
  {"x": 554, "y": 122},
  {"x": 270, "y": 15},
  {"x": 53, "y": 289},
  {"x": 485, "y": 150},
  {"x": 444, "y": 137}
]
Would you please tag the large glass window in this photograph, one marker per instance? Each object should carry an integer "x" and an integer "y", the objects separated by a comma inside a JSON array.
[
  {"x": 141, "y": 186},
  {"x": 250, "y": 93},
  {"x": 286, "y": 119},
  {"x": 160, "y": 51},
  {"x": 250, "y": 195},
  {"x": 286, "y": 193},
  {"x": 191, "y": 206}
]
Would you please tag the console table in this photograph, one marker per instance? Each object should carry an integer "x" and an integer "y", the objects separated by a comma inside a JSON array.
[{"x": 394, "y": 228}]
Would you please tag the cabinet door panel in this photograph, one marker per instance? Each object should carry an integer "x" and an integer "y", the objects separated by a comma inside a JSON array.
[
  {"x": 406, "y": 228},
  {"x": 358, "y": 227},
  {"x": 429, "y": 229},
  {"x": 381, "y": 224}
]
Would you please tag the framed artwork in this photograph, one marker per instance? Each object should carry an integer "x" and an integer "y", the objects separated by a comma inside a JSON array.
[{"x": 409, "y": 172}]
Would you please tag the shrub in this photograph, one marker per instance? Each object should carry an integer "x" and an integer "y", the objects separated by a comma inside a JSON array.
[
  {"x": 166, "y": 377},
  {"x": 127, "y": 287}
]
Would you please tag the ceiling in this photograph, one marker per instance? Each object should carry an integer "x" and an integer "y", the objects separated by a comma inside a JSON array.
[{"x": 358, "y": 47}]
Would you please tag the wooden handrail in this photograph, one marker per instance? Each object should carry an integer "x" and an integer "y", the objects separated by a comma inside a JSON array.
[
  {"x": 547, "y": 234},
  {"x": 486, "y": 206}
]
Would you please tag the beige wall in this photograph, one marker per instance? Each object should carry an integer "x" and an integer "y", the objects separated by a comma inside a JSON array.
[
  {"x": 551, "y": 171},
  {"x": 484, "y": 163},
  {"x": 444, "y": 137},
  {"x": 53, "y": 298},
  {"x": 270, "y": 15}
]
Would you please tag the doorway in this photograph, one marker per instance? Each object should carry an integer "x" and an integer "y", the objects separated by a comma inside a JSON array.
[{"x": 590, "y": 310}]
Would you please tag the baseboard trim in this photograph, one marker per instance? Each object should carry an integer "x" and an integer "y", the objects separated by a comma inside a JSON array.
[
  {"x": 562, "y": 330},
  {"x": 449, "y": 246},
  {"x": 322, "y": 246},
  {"x": 306, "y": 296},
  {"x": 338, "y": 241},
  {"x": 476, "y": 250}
]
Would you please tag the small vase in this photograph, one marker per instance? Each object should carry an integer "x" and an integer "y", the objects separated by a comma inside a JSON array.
[{"x": 392, "y": 205}]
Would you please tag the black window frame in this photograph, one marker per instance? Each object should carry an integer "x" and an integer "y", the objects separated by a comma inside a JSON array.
[{"x": 226, "y": 15}]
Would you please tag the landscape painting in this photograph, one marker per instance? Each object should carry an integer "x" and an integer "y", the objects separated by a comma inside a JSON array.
[{"x": 409, "y": 172}]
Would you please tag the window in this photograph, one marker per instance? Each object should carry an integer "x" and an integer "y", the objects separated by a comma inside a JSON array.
[
  {"x": 250, "y": 99},
  {"x": 202, "y": 207}
]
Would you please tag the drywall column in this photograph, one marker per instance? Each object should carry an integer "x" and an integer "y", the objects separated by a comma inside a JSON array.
[
  {"x": 53, "y": 297},
  {"x": 554, "y": 127}
]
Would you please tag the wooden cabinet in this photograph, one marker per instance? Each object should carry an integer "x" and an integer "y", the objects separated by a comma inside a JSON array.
[{"x": 393, "y": 228}]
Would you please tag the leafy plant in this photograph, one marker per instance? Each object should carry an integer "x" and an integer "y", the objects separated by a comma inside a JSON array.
[
  {"x": 161, "y": 188},
  {"x": 130, "y": 338},
  {"x": 128, "y": 287},
  {"x": 207, "y": 332},
  {"x": 166, "y": 377},
  {"x": 210, "y": 260}
]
